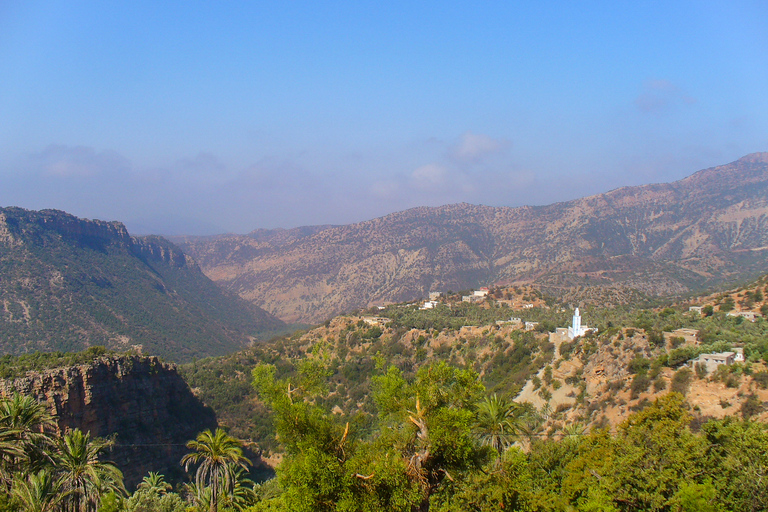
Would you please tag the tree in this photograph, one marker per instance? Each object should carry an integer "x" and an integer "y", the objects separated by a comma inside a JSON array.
[
  {"x": 38, "y": 492},
  {"x": 495, "y": 423},
  {"x": 653, "y": 454},
  {"x": 155, "y": 482},
  {"x": 737, "y": 459},
  {"x": 25, "y": 424},
  {"x": 218, "y": 455},
  {"x": 85, "y": 478},
  {"x": 727, "y": 305},
  {"x": 428, "y": 421},
  {"x": 422, "y": 438},
  {"x": 326, "y": 466}
]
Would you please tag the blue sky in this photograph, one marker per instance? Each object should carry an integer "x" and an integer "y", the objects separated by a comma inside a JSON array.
[{"x": 202, "y": 117}]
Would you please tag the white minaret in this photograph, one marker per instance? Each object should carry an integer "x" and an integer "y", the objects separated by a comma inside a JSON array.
[
  {"x": 575, "y": 329},
  {"x": 576, "y": 322}
]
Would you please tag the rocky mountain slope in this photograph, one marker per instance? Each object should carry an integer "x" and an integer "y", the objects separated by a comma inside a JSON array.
[
  {"x": 657, "y": 240},
  {"x": 68, "y": 283},
  {"x": 143, "y": 402}
]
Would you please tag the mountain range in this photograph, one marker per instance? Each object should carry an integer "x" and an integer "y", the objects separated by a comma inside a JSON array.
[
  {"x": 656, "y": 240},
  {"x": 68, "y": 283}
]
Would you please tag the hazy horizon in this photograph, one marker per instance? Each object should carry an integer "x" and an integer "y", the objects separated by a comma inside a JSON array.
[{"x": 193, "y": 118}]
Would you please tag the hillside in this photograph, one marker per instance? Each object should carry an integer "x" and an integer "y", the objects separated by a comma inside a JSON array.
[
  {"x": 68, "y": 283},
  {"x": 654, "y": 240},
  {"x": 596, "y": 380}
]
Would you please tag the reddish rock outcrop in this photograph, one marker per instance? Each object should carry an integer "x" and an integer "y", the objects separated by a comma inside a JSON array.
[{"x": 141, "y": 401}]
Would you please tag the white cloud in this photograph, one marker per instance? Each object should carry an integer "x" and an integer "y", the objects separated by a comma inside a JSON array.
[
  {"x": 475, "y": 146},
  {"x": 430, "y": 176}
]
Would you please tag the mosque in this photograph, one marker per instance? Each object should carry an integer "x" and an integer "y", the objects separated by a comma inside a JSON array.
[{"x": 576, "y": 329}]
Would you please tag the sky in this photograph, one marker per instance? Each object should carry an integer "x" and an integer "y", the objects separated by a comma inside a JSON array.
[{"x": 207, "y": 117}]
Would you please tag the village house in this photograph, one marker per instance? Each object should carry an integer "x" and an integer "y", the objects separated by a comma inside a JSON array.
[
  {"x": 435, "y": 295},
  {"x": 482, "y": 292},
  {"x": 513, "y": 321},
  {"x": 695, "y": 309},
  {"x": 712, "y": 361},
  {"x": 476, "y": 296},
  {"x": 529, "y": 326},
  {"x": 747, "y": 315},
  {"x": 376, "y": 320},
  {"x": 430, "y": 304}
]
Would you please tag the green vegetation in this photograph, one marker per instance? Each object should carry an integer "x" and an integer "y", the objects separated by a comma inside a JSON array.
[
  {"x": 437, "y": 442},
  {"x": 416, "y": 413},
  {"x": 42, "y": 471},
  {"x": 70, "y": 284},
  {"x": 12, "y": 367},
  {"x": 465, "y": 336}
]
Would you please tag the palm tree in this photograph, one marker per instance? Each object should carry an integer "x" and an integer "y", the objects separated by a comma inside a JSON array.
[
  {"x": 218, "y": 455},
  {"x": 573, "y": 431},
  {"x": 11, "y": 452},
  {"x": 495, "y": 424},
  {"x": 25, "y": 424},
  {"x": 84, "y": 477},
  {"x": 38, "y": 492},
  {"x": 242, "y": 494},
  {"x": 155, "y": 482}
]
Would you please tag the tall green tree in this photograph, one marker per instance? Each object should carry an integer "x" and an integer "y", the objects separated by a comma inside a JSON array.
[
  {"x": 495, "y": 424},
  {"x": 217, "y": 456},
  {"x": 737, "y": 458},
  {"x": 85, "y": 476}
]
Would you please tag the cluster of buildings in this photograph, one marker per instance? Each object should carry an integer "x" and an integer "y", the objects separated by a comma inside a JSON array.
[
  {"x": 477, "y": 296},
  {"x": 576, "y": 329},
  {"x": 752, "y": 316}
]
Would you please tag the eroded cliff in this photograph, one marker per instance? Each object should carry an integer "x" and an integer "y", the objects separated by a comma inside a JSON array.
[{"x": 142, "y": 401}]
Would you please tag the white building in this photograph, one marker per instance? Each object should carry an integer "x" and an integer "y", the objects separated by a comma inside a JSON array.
[
  {"x": 430, "y": 304},
  {"x": 748, "y": 315},
  {"x": 576, "y": 329}
]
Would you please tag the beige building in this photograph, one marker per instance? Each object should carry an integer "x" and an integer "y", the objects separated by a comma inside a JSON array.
[{"x": 712, "y": 361}]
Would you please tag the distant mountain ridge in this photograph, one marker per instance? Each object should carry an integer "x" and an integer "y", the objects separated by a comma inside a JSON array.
[
  {"x": 68, "y": 283},
  {"x": 660, "y": 239}
]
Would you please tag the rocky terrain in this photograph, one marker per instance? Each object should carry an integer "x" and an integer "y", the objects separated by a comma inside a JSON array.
[
  {"x": 634, "y": 242},
  {"x": 68, "y": 283},
  {"x": 142, "y": 402}
]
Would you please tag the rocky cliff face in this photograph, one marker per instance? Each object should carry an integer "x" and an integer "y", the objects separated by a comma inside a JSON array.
[
  {"x": 662, "y": 239},
  {"x": 143, "y": 402}
]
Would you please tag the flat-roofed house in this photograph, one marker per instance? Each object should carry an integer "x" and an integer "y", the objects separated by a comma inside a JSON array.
[{"x": 712, "y": 361}]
